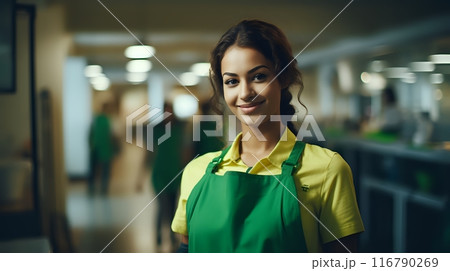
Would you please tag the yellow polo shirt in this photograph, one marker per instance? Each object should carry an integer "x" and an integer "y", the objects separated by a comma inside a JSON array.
[{"x": 324, "y": 187}]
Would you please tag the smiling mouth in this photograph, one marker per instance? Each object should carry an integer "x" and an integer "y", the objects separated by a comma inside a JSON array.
[
  {"x": 250, "y": 105},
  {"x": 249, "y": 108}
]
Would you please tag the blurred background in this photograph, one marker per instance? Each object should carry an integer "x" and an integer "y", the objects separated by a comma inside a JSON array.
[{"x": 377, "y": 81}]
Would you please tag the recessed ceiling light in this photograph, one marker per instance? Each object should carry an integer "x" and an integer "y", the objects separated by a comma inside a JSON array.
[
  {"x": 101, "y": 83},
  {"x": 139, "y": 51},
  {"x": 422, "y": 66},
  {"x": 189, "y": 79},
  {"x": 184, "y": 106},
  {"x": 373, "y": 82},
  {"x": 201, "y": 69},
  {"x": 136, "y": 77},
  {"x": 93, "y": 71},
  {"x": 440, "y": 59},
  {"x": 139, "y": 65}
]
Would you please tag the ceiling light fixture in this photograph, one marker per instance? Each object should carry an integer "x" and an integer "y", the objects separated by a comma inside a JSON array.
[
  {"x": 189, "y": 79},
  {"x": 373, "y": 82},
  {"x": 100, "y": 83},
  {"x": 184, "y": 106},
  {"x": 440, "y": 58},
  {"x": 139, "y": 51},
  {"x": 201, "y": 69},
  {"x": 136, "y": 77},
  {"x": 93, "y": 71},
  {"x": 139, "y": 65},
  {"x": 422, "y": 66}
]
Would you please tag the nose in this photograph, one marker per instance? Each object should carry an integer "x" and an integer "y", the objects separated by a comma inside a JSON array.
[{"x": 246, "y": 92}]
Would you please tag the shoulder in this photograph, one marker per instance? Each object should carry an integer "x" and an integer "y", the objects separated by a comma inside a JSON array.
[
  {"x": 201, "y": 162},
  {"x": 195, "y": 170},
  {"x": 192, "y": 174},
  {"x": 320, "y": 155},
  {"x": 324, "y": 160}
]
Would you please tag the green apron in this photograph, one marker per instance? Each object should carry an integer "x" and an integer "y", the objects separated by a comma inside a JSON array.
[{"x": 241, "y": 212}]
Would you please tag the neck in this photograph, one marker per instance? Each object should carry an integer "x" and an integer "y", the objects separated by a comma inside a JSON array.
[{"x": 262, "y": 139}]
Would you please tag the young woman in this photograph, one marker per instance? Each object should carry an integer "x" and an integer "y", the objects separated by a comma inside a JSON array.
[{"x": 267, "y": 192}]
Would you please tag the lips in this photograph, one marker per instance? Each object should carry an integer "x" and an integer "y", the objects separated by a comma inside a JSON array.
[{"x": 250, "y": 107}]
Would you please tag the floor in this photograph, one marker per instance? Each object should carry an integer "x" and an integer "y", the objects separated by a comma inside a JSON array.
[{"x": 124, "y": 219}]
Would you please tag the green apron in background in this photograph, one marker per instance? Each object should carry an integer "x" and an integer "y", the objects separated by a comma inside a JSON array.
[{"x": 241, "y": 212}]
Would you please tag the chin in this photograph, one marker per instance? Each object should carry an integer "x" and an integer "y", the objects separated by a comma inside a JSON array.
[{"x": 252, "y": 119}]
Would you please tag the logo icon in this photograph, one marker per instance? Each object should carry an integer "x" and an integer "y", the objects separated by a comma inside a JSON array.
[
  {"x": 305, "y": 187},
  {"x": 149, "y": 117}
]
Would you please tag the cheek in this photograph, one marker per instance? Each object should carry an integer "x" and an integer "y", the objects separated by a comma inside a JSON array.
[{"x": 228, "y": 97}]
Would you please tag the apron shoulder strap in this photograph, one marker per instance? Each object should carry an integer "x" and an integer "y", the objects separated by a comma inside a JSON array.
[
  {"x": 292, "y": 163},
  {"x": 212, "y": 166}
]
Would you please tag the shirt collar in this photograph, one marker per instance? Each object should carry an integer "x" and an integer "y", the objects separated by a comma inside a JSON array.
[
  {"x": 233, "y": 153},
  {"x": 278, "y": 155}
]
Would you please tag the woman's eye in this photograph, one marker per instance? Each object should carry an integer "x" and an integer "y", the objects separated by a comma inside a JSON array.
[
  {"x": 260, "y": 77},
  {"x": 231, "y": 82}
]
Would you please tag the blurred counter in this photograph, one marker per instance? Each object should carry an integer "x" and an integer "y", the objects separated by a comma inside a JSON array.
[
  {"x": 397, "y": 149},
  {"x": 403, "y": 193}
]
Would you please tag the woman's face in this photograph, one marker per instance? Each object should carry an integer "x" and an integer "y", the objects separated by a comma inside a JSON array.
[{"x": 246, "y": 75}]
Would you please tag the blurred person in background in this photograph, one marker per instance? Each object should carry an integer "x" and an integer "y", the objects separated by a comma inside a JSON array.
[
  {"x": 168, "y": 162},
  {"x": 391, "y": 118},
  {"x": 101, "y": 149},
  {"x": 270, "y": 194}
]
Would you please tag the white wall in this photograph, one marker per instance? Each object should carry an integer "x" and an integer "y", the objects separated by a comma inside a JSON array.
[
  {"x": 77, "y": 117},
  {"x": 157, "y": 89}
]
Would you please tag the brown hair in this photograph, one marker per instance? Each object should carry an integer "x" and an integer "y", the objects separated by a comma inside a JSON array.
[{"x": 270, "y": 41}]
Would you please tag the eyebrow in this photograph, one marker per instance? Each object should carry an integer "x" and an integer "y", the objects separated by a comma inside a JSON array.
[{"x": 249, "y": 72}]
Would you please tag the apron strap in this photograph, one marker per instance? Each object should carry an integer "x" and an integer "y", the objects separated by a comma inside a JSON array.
[
  {"x": 291, "y": 164},
  {"x": 288, "y": 166},
  {"x": 212, "y": 166}
]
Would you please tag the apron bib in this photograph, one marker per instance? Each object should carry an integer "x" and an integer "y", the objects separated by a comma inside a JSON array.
[{"x": 241, "y": 212}]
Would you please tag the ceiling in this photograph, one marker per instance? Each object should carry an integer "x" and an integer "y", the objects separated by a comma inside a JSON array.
[{"x": 184, "y": 32}]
